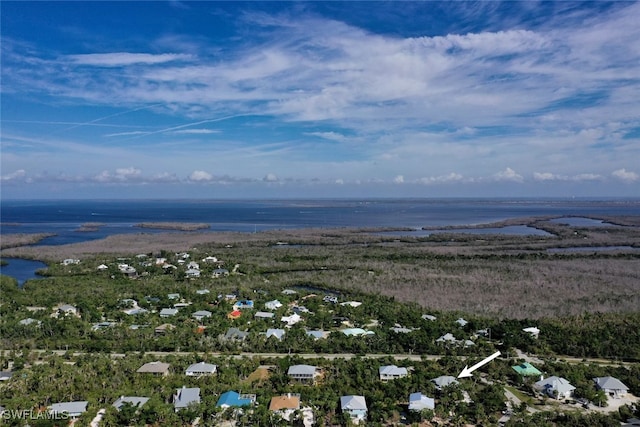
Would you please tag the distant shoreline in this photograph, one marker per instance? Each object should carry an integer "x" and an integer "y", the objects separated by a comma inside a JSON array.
[{"x": 180, "y": 226}]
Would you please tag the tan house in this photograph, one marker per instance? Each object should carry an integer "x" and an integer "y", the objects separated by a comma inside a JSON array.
[{"x": 156, "y": 368}]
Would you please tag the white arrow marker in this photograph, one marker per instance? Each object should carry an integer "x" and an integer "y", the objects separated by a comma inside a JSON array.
[{"x": 466, "y": 372}]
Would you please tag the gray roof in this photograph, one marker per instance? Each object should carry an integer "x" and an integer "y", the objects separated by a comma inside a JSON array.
[
  {"x": 418, "y": 402},
  {"x": 610, "y": 383},
  {"x": 202, "y": 313},
  {"x": 392, "y": 370},
  {"x": 168, "y": 312},
  {"x": 301, "y": 370},
  {"x": 352, "y": 402},
  {"x": 264, "y": 314},
  {"x": 201, "y": 367},
  {"x": 444, "y": 381},
  {"x": 133, "y": 400},
  {"x": 185, "y": 396},
  {"x": 278, "y": 333},
  {"x": 70, "y": 408},
  {"x": 235, "y": 333},
  {"x": 555, "y": 383}
]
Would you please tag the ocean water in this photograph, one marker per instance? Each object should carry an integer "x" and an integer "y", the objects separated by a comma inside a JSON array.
[{"x": 65, "y": 217}]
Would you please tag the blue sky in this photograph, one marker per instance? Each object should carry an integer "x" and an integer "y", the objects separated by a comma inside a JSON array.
[{"x": 320, "y": 99}]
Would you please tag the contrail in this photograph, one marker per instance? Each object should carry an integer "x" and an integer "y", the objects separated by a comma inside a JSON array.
[
  {"x": 92, "y": 122},
  {"x": 219, "y": 119}
]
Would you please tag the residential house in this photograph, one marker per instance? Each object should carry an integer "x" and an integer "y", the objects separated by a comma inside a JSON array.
[
  {"x": 419, "y": 402},
  {"x": 444, "y": 381},
  {"x": 70, "y": 261},
  {"x": 192, "y": 273},
  {"x": 526, "y": 369},
  {"x": 429, "y": 317},
  {"x": 352, "y": 304},
  {"x": 235, "y": 334},
  {"x": 447, "y": 338},
  {"x": 330, "y": 299},
  {"x": 29, "y": 321},
  {"x": 202, "y": 291},
  {"x": 303, "y": 373},
  {"x": 193, "y": 265},
  {"x": 350, "y": 332},
  {"x": 235, "y": 314},
  {"x": 220, "y": 272},
  {"x": 278, "y": 333},
  {"x": 461, "y": 322},
  {"x": 272, "y": 305},
  {"x": 287, "y": 404},
  {"x": 556, "y": 387},
  {"x": 201, "y": 314},
  {"x": 233, "y": 399},
  {"x": 289, "y": 292},
  {"x": 289, "y": 401},
  {"x": 173, "y": 296},
  {"x": 243, "y": 304},
  {"x": 355, "y": 407},
  {"x": 392, "y": 372},
  {"x": 6, "y": 375},
  {"x": 612, "y": 386},
  {"x": 102, "y": 325},
  {"x": 164, "y": 328},
  {"x": 318, "y": 334},
  {"x": 264, "y": 315},
  {"x": 68, "y": 409},
  {"x": 200, "y": 369},
  {"x": 168, "y": 312},
  {"x": 134, "y": 401},
  {"x": 210, "y": 260},
  {"x": 102, "y": 267},
  {"x": 155, "y": 368},
  {"x": 533, "y": 331},
  {"x": 291, "y": 320},
  {"x": 65, "y": 310},
  {"x": 135, "y": 311},
  {"x": 186, "y": 396}
]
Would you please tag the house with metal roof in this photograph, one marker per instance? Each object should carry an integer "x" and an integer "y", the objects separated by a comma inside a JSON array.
[
  {"x": 68, "y": 409},
  {"x": 556, "y": 387},
  {"x": 200, "y": 369},
  {"x": 612, "y": 386},
  {"x": 444, "y": 381},
  {"x": 186, "y": 396},
  {"x": 419, "y": 402},
  {"x": 392, "y": 372},
  {"x": 201, "y": 314},
  {"x": 526, "y": 369},
  {"x": 355, "y": 407},
  {"x": 303, "y": 373},
  {"x": 277, "y": 333},
  {"x": 168, "y": 312}
]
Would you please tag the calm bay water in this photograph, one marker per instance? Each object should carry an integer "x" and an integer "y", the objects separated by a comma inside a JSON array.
[{"x": 65, "y": 217}]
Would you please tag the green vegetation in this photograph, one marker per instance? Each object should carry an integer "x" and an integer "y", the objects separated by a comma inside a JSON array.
[{"x": 585, "y": 306}]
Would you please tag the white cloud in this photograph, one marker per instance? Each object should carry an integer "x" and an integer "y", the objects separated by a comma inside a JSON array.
[
  {"x": 441, "y": 179},
  {"x": 117, "y": 59},
  {"x": 19, "y": 174},
  {"x": 270, "y": 177},
  {"x": 624, "y": 175},
  {"x": 508, "y": 175},
  {"x": 398, "y": 179},
  {"x": 200, "y": 176}
]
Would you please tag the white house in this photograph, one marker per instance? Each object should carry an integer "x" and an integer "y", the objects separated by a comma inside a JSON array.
[
  {"x": 273, "y": 305},
  {"x": 303, "y": 373},
  {"x": 533, "y": 331},
  {"x": 355, "y": 407},
  {"x": 69, "y": 409},
  {"x": 419, "y": 402},
  {"x": 291, "y": 320},
  {"x": 556, "y": 387},
  {"x": 392, "y": 372},
  {"x": 200, "y": 369}
]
